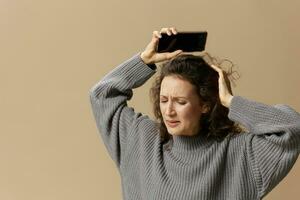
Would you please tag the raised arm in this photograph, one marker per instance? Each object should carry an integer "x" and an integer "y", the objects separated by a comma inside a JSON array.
[
  {"x": 115, "y": 120},
  {"x": 109, "y": 97},
  {"x": 273, "y": 142}
]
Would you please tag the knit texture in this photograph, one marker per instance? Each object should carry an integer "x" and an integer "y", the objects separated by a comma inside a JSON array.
[{"x": 246, "y": 166}]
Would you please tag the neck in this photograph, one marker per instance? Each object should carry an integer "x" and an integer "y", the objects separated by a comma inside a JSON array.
[{"x": 189, "y": 143}]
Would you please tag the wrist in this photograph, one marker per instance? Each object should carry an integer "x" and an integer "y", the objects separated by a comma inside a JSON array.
[
  {"x": 144, "y": 58},
  {"x": 227, "y": 101}
]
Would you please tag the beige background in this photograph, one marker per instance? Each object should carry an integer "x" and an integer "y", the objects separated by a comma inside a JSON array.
[{"x": 52, "y": 52}]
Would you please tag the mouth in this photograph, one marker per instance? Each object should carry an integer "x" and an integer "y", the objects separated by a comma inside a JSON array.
[{"x": 172, "y": 123}]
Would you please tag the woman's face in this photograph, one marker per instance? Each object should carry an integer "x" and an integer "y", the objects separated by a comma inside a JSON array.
[{"x": 180, "y": 106}]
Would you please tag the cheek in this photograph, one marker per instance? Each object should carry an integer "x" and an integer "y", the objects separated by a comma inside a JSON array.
[
  {"x": 189, "y": 114},
  {"x": 185, "y": 111}
]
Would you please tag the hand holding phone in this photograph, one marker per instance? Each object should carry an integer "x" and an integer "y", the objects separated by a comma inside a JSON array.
[
  {"x": 169, "y": 43},
  {"x": 150, "y": 54}
]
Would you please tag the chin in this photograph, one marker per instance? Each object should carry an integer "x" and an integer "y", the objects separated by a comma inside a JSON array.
[{"x": 175, "y": 133}]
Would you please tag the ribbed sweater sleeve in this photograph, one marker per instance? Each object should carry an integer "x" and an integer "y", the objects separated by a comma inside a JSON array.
[
  {"x": 114, "y": 119},
  {"x": 273, "y": 142}
]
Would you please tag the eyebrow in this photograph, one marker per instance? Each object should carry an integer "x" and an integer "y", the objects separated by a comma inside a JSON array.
[{"x": 177, "y": 97}]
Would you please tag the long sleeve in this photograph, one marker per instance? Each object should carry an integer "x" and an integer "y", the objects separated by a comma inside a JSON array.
[
  {"x": 273, "y": 140},
  {"x": 114, "y": 119}
]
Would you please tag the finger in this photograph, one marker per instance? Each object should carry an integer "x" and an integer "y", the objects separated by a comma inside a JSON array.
[
  {"x": 154, "y": 42},
  {"x": 176, "y": 53},
  {"x": 228, "y": 83},
  {"x": 163, "y": 30},
  {"x": 155, "y": 37},
  {"x": 174, "y": 31},
  {"x": 166, "y": 30},
  {"x": 157, "y": 34},
  {"x": 169, "y": 32},
  {"x": 171, "y": 55},
  {"x": 216, "y": 68},
  {"x": 152, "y": 46}
]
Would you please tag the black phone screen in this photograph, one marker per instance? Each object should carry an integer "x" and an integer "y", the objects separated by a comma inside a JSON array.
[{"x": 186, "y": 41}]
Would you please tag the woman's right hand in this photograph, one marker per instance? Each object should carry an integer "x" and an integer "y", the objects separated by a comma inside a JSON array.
[{"x": 150, "y": 55}]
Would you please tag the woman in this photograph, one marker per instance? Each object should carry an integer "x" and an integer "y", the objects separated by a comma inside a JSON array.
[{"x": 196, "y": 149}]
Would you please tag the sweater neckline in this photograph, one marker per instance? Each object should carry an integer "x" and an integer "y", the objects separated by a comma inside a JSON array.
[{"x": 189, "y": 143}]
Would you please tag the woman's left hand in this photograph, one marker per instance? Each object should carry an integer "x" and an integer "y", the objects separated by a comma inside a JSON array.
[{"x": 225, "y": 92}]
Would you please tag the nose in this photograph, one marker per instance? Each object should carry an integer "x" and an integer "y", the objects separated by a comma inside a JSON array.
[{"x": 169, "y": 109}]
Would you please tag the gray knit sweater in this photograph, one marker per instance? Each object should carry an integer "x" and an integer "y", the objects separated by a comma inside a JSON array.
[{"x": 246, "y": 166}]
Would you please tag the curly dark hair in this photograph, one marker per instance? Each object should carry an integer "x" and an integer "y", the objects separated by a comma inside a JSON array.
[{"x": 197, "y": 70}]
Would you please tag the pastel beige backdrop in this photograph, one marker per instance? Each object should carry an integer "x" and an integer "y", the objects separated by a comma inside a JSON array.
[{"x": 53, "y": 52}]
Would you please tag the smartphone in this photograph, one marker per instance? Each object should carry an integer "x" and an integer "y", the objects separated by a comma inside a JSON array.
[{"x": 186, "y": 41}]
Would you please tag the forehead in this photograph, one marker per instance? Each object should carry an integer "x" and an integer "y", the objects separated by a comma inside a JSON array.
[{"x": 174, "y": 86}]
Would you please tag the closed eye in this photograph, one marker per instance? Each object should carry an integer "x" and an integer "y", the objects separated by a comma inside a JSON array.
[{"x": 180, "y": 102}]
